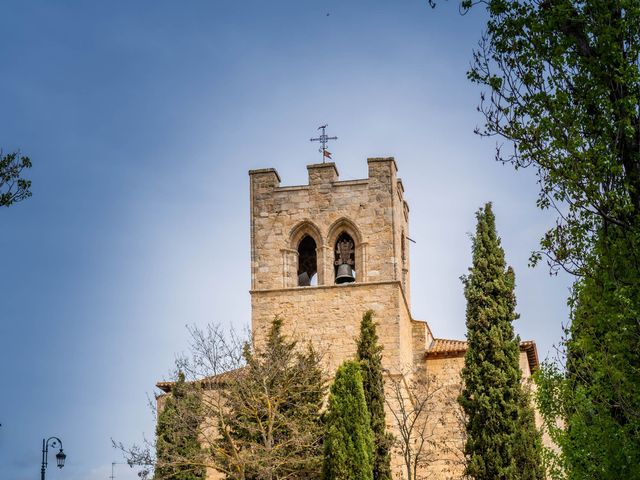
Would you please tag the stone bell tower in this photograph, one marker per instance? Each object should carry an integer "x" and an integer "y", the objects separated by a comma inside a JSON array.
[{"x": 324, "y": 253}]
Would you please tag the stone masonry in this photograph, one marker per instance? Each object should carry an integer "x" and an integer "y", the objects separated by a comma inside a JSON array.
[{"x": 374, "y": 215}]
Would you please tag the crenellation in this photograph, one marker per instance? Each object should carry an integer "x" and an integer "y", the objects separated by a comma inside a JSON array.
[
  {"x": 322, "y": 174},
  {"x": 383, "y": 170},
  {"x": 367, "y": 205},
  {"x": 265, "y": 178}
]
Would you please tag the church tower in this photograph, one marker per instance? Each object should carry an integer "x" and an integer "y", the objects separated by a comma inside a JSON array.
[{"x": 324, "y": 253}]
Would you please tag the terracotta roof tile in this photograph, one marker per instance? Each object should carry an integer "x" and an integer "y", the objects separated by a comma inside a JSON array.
[
  {"x": 207, "y": 382},
  {"x": 442, "y": 347}
]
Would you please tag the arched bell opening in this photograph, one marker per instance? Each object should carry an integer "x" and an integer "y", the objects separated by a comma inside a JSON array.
[
  {"x": 307, "y": 262},
  {"x": 345, "y": 263}
]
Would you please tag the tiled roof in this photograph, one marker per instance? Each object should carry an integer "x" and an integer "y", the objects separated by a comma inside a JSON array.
[
  {"x": 442, "y": 347},
  {"x": 529, "y": 346},
  {"x": 207, "y": 382}
]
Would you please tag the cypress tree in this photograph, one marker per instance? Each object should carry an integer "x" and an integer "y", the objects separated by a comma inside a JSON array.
[
  {"x": 177, "y": 445},
  {"x": 369, "y": 355},
  {"x": 502, "y": 441},
  {"x": 348, "y": 443},
  {"x": 596, "y": 399}
]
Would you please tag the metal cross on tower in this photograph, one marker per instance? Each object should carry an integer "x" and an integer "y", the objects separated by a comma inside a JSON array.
[{"x": 323, "y": 139}]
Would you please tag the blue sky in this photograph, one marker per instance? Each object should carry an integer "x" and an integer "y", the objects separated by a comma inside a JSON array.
[{"x": 142, "y": 119}]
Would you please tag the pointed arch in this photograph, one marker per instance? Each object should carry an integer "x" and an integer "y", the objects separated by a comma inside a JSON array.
[
  {"x": 302, "y": 229},
  {"x": 344, "y": 227},
  {"x": 306, "y": 245}
]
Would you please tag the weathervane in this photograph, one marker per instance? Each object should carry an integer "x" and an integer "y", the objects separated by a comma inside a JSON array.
[{"x": 323, "y": 139}]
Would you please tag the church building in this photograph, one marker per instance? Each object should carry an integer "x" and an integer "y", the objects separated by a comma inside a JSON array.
[{"x": 324, "y": 253}]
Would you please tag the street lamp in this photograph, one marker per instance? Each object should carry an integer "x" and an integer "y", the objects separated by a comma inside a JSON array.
[{"x": 60, "y": 456}]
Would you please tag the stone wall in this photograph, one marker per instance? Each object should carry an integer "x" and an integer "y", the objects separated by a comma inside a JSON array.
[
  {"x": 329, "y": 317},
  {"x": 447, "y": 416},
  {"x": 376, "y": 216},
  {"x": 371, "y": 210}
]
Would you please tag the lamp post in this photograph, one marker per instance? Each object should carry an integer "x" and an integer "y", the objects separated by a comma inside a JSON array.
[{"x": 60, "y": 456}]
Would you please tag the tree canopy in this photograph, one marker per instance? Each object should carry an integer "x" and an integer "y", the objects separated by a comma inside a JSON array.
[
  {"x": 369, "y": 355},
  {"x": 269, "y": 423},
  {"x": 178, "y": 450},
  {"x": 13, "y": 186},
  {"x": 561, "y": 83},
  {"x": 502, "y": 441},
  {"x": 348, "y": 444},
  {"x": 591, "y": 407}
]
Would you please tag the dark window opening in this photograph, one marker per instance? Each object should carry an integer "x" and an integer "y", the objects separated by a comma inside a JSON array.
[{"x": 307, "y": 262}]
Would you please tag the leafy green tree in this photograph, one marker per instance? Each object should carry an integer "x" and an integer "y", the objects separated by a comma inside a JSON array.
[
  {"x": 270, "y": 424},
  {"x": 369, "y": 354},
  {"x": 563, "y": 87},
  {"x": 348, "y": 444},
  {"x": 592, "y": 407},
  {"x": 562, "y": 82},
  {"x": 502, "y": 441},
  {"x": 13, "y": 187},
  {"x": 178, "y": 448}
]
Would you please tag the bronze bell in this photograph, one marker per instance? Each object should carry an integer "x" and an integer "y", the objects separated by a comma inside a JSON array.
[{"x": 345, "y": 274}]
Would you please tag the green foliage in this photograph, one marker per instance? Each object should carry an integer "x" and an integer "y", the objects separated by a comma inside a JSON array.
[
  {"x": 348, "y": 445},
  {"x": 271, "y": 425},
  {"x": 568, "y": 99},
  {"x": 369, "y": 354},
  {"x": 592, "y": 408},
  {"x": 563, "y": 85},
  {"x": 13, "y": 188},
  {"x": 177, "y": 445},
  {"x": 563, "y": 82},
  {"x": 502, "y": 441}
]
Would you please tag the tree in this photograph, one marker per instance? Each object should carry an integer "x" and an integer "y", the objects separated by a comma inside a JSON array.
[
  {"x": 260, "y": 409},
  {"x": 348, "y": 444},
  {"x": 177, "y": 434},
  {"x": 369, "y": 354},
  {"x": 563, "y": 81},
  {"x": 591, "y": 408},
  {"x": 420, "y": 404},
  {"x": 215, "y": 358},
  {"x": 502, "y": 441},
  {"x": 564, "y": 87},
  {"x": 270, "y": 424},
  {"x": 13, "y": 188}
]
